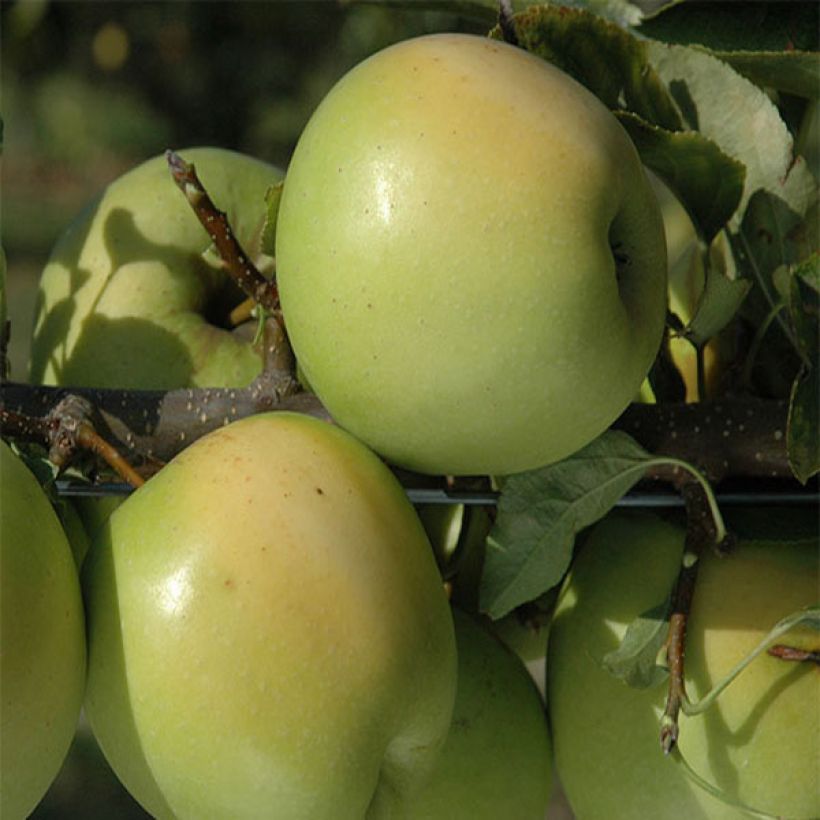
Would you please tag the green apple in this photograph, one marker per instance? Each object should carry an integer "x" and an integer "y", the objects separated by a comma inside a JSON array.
[
  {"x": 74, "y": 528},
  {"x": 525, "y": 630},
  {"x": 94, "y": 511},
  {"x": 42, "y": 641},
  {"x": 268, "y": 631},
  {"x": 759, "y": 743},
  {"x": 497, "y": 760},
  {"x": 471, "y": 260},
  {"x": 134, "y": 296},
  {"x": 458, "y": 535}
]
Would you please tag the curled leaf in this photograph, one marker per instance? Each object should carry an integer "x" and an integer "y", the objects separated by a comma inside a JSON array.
[
  {"x": 708, "y": 182},
  {"x": 635, "y": 659}
]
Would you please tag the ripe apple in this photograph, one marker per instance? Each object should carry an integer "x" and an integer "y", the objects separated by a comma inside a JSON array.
[
  {"x": 42, "y": 641},
  {"x": 497, "y": 760},
  {"x": 268, "y": 630},
  {"x": 759, "y": 743},
  {"x": 132, "y": 295},
  {"x": 471, "y": 260}
]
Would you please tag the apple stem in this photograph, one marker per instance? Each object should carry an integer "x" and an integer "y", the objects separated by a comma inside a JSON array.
[
  {"x": 242, "y": 312},
  {"x": 90, "y": 439},
  {"x": 792, "y": 653},
  {"x": 702, "y": 531},
  {"x": 700, "y": 362},
  {"x": 66, "y": 429},
  {"x": 237, "y": 264},
  {"x": 506, "y": 22}
]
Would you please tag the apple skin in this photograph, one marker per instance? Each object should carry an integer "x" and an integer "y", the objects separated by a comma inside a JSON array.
[
  {"x": 42, "y": 635},
  {"x": 445, "y": 249},
  {"x": 760, "y": 742},
  {"x": 127, "y": 294},
  {"x": 268, "y": 629},
  {"x": 74, "y": 528},
  {"x": 497, "y": 760},
  {"x": 458, "y": 535}
]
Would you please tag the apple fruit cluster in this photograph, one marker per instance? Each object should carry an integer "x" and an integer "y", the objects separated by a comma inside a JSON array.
[{"x": 472, "y": 270}]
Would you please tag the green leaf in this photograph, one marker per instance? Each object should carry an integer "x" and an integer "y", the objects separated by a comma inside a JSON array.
[
  {"x": 732, "y": 26},
  {"x": 803, "y": 438},
  {"x": 601, "y": 55},
  {"x": 722, "y": 296},
  {"x": 771, "y": 235},
  {"x": 775, "y": 233},
  {"x": 803, "y": 428},
  {"x": 272, "y": 198},
  {"x": 635, "y": 660},
  {"x": 795, "y": 72},
  {"x": 708, "y": 183},
  {"x": 620, "y": 12},
  {"x": 36, "y": 459},
  {"x": 804, "y": 301},
  {"x": 540, "y": 512},
  {"x": 772, "y": 44},
  {"x": 741, "y": 119}
]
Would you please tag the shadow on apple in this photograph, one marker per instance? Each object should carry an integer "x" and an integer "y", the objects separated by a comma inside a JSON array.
[{"x": 103, "y": 342}]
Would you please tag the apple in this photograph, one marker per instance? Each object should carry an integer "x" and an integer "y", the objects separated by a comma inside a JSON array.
[
  {"x": 497, "y": 759},
  {"x": 133, "y": 296},
  {"x": 759, "y": 743},
  {"x": 74, "y": 528},
  {"x": 471, "y": 260},
  {"x": 42, "y": 641},
  {"x": 458, "y": 535},
  {"x": 268, "y": 630}
]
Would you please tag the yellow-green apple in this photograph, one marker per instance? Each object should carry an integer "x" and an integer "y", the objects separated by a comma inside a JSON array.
[
  {"x": 268, "y": 630},
  {"x": 759, "y": 743},
  {"x": 42, "y": 641},
  {"x": 134, "y": 296},
  {"x": 471, "y": 260},
  {"x": 497, "y": 759}
]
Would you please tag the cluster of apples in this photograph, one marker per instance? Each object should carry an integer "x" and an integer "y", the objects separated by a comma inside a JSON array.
[{"x": 471, "y": 265}]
